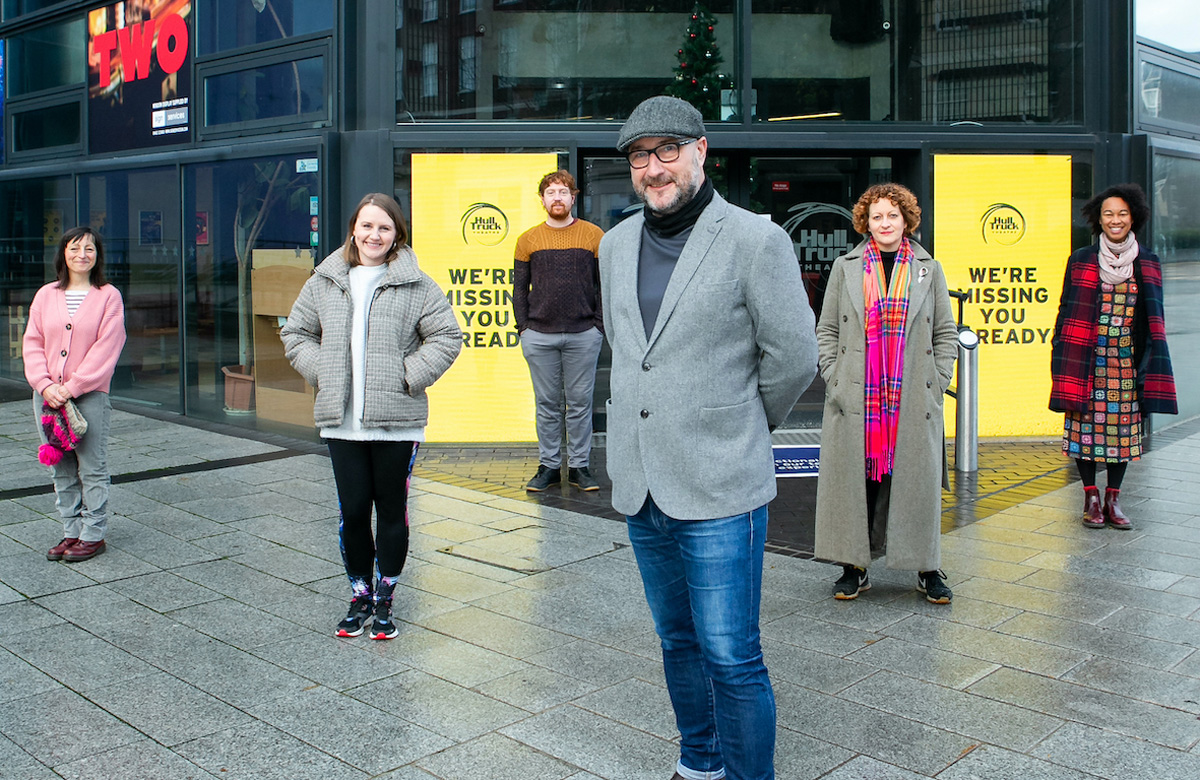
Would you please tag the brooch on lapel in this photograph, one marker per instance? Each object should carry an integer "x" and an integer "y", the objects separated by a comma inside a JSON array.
[{"x": 921, "y": 274}]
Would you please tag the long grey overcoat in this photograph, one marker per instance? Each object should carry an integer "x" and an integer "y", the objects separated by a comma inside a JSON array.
[
  {"x": 733, "y": 348},
  {"x": 914, "y": 511}
]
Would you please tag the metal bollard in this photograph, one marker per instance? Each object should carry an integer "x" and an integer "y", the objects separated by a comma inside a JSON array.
[{"x": 966, "y": 407}]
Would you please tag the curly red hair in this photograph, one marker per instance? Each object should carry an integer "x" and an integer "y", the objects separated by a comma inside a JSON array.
[{"x": 897, "y": 193}]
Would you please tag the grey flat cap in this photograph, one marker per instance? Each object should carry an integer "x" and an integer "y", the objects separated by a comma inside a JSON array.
[{"x": 663, "y": 116}]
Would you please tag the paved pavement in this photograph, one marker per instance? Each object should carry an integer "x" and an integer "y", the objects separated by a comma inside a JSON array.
[{"x": 200, "y": 646}]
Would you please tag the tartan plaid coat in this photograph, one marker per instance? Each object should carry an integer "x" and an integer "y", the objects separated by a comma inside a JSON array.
[{"x": 1072, "y": 360}]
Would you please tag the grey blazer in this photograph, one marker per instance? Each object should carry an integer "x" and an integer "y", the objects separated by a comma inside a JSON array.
[{"x": 733, "y": 348}]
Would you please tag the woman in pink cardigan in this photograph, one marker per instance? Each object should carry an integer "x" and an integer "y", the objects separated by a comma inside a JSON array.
[{"x": 75, "y": 334}]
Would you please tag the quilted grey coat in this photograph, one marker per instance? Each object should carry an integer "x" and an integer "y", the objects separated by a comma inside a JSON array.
[
  {"x": 412, "y": 338},
  {"x": 930, "y": 349}
]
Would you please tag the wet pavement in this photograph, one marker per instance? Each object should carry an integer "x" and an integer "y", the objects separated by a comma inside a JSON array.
[{"x": 200, "y": 645}]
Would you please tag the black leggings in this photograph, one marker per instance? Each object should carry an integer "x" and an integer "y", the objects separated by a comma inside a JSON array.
[
  {"x": 373, "y": 473},
  {"x": 1114, "y": 471}
]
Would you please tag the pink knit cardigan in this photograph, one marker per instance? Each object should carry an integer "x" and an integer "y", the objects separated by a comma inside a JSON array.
[{"x": 77, "y": 352}]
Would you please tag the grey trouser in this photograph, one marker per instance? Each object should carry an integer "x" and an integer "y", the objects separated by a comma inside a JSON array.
[
  {"x": 558, "y": 362},
  {"x": 81, "y": 478}
]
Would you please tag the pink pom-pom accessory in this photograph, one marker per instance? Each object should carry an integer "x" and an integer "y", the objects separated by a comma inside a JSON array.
[{"x": 49, "y": 455}]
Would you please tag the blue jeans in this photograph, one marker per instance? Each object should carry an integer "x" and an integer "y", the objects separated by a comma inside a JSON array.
[{"x": 703, "y": 581}]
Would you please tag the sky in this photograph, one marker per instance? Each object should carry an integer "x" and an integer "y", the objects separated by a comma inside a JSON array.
[{"x": 1173, "y": 22}]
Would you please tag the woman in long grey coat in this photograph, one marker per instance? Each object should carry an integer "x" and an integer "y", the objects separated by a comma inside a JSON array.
[{"x": 886, "y": 345}]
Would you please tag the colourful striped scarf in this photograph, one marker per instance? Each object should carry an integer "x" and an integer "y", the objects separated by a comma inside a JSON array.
[{"x": 885, "y": 309}]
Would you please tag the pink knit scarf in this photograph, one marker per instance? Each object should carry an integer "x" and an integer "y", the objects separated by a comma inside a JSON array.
[{"x": 1116, "y": 260}]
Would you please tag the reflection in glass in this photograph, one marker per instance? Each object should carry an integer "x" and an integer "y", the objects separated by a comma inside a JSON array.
[
  {"x": 1169, "y": 95},
  {"x": 33, "y": 215},
  {"x": 289, "y": 89},
  {"x": 1175, "y": 202},
  {"x": 42, "y": 128},
  {"x": 231, "y": 24},
  {"x": 249, "y": 250},
  {"x": 46, "y": 57}
]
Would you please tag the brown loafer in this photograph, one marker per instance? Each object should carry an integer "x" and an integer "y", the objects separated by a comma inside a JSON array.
[
  {"x": 82, "y": 551},
  {"x": 55, "y": 553}
]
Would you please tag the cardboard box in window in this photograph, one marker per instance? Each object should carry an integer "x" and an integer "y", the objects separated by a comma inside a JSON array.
[{"x": 276, "y": 277}]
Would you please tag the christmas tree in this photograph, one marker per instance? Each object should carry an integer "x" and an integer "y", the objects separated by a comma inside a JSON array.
[{"x": 696, "y": 77}]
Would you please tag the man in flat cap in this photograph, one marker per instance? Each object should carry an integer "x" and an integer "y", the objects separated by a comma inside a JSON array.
[{"x": 713, "y": 341}]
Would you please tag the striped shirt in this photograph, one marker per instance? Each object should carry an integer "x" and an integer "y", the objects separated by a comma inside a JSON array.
[{"x": 74, "y": 298}]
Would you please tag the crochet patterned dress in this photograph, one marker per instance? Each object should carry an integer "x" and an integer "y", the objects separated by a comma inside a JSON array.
[{"x": 1111, "y": 430}]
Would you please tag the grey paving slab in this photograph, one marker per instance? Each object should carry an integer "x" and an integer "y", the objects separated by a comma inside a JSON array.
[
  {"x": 142, "y": 760},
  {"x": 338, "y": 664},
  {"x": 24, "y": 616},
  {"x": 262, "y": 752},
  {"x": 229, "y": 674},
  {"x": 535, "y": 689},
  {"x": 234, "y": 623},
  {"x": 9, "y": 596},
  {"x": 943, "y": 667},
  {"x": 78, "y": 659},
  {"x": 994, "y": 551},
  {"x": 1096, "y": 640},
  {"x": 289, "y": 565},
  {"x": 468, "y": 511},
  {"x": 811, "y": 669},
  {"x": 972, "y": 612},
  {"x": 178, "y": 523},
  {"x": 1170, "y": 689},
  {"x": 317, "y": 539},
  {"x": 864, "y": 768},
  {"x": 496, "y": 632},
  {"x": 994, "y": 763},
  {"x": 456, "y": 585},
  {"x": 1123, "y": 573},
  {"x": 1116, "y": 757},
  {"x": 819, "y": 635},
  {"x": 596, "y": 663},
  {"x": 158, "y": 550},
  {"x": 31, "y": 575},
  {"x": 61, "y": 726},
  {"x": 492, "y": 756},
  {"x": 1068, "y": 701},
  {"x": 19, "y": 765},
  {"x": 1149, "y": 559},
  {"x": 952, "y": 710},
  {"x": 1076, "y": 545},
  {"x": 1189, "y": 666},
  {"x": 10, "y": 546},
  {"x": 601, "y": 746},
  {"x": 163, "y": 591},
  {"x": 440, "y": 706},
  {"x": 1154, "y": 600},
  {"x": 1157, "y": 626},
  {"x": 1019, "y": 596},
  {"x": 800, "y": 757},
  {"x": 1037, "y": 657},
  {"x": 858, "y": 613},
  {"x": 336, "y": 724},
  {"x": 19, "y": 679},
  {"x": 589, "y": 608},
  {"x": 1188, "y": 586},
  {"x": 242, "y": 583},
  {"x": 232, "y": 543},
  {"x": 635, "y": 703},
  {"x": 459, "y": 662},
  {"x": 167, "y": 709},
  {"x": 880, "y": 735}
]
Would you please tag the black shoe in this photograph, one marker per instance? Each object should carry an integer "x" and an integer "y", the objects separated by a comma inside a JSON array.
[
  {"x": 544, "y": 478},
  {"x": 361, "y": 610},
  {"x": 384, "y": 627},
  {"x": 582, "y": 479},
  {"x": 930, "y": 583},
  {"x": 852, "y": 582}
]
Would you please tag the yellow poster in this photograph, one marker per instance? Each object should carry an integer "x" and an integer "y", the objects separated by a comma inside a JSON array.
[
  {"x": 1003, "y": 234},
  {"x": 467, "y": 212}
]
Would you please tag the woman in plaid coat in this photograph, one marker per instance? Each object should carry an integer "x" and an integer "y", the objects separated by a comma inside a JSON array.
[{"x": 1109, "y": 362}]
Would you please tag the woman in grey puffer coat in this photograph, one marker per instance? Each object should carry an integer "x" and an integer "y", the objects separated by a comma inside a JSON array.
[{"x": 370, "y": 331}]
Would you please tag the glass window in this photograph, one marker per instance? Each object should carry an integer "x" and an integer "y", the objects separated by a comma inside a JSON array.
[
  {"x": 877, "y": 60},
  {"x": 138, "y": 216},
  {"x": 1174, "y": 201},
  {"x": 288, "y": 89},
  {"x": 537, "y": 59},
  {"x": 45, "y": 58},
  {"x": 232, "y": 24},
  {"x": 429, "y": 70},
  {"x": 15, "y": 8},
  {"x": 44, "y": 128},
  {"x": 33, "y": 215},
  {"x": 248, "y": 252},
  {"x": 1168, "y": 95}
]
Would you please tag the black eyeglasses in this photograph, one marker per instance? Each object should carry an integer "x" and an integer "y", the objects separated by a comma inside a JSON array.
[{"x": 668, "y": 152}]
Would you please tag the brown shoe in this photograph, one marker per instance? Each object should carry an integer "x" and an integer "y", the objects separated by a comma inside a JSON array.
[
  {"x": 1112, "y": 510},
  {"x": 82, "y": 551},
  {"x": 1092, "y": 516},
  {"x": 55, "y": 553}
]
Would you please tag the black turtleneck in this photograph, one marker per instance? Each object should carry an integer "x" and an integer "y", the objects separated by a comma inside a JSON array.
[{"x": 663, "y": 239}]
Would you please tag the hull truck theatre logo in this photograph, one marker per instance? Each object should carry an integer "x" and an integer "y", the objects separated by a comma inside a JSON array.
[
  {"x": 1002, "y": 224},
  {"x": 484, "y": 224}
]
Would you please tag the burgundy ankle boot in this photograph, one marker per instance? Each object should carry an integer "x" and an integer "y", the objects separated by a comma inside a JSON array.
[
  {"x": 1092, "y": 516},
  {"x": 1112, "y": 510}
]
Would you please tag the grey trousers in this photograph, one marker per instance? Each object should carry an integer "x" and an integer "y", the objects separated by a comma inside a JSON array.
[
  {"x": 81, "y": 478},
  {"x": 563, "y": 363}
]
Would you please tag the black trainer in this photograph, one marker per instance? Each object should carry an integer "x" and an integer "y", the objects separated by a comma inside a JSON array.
[
  {"x": 361, "y": 610},
  {"x": 930, "y": 583},
  {"x": 543, "y": 479},
  {"x": 384, "y": 627},
  {"x": 852, "y": 582},
  {"x": 582, "y": 479}
]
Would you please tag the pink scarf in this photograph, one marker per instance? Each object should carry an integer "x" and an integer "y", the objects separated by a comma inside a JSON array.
[
  {"x": 1116, "y": 260},
  {"x": 885, "y": 311}
]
